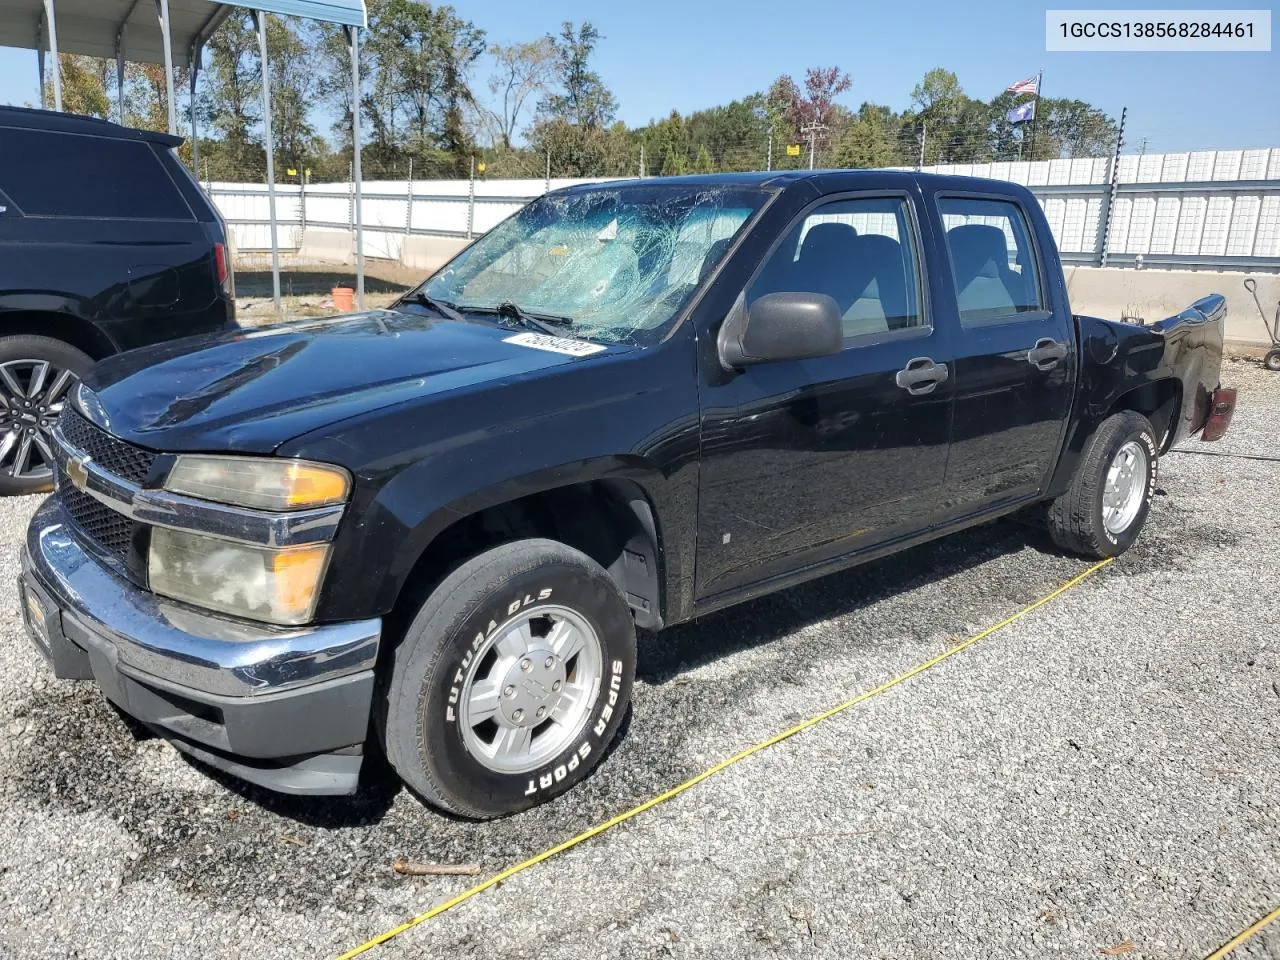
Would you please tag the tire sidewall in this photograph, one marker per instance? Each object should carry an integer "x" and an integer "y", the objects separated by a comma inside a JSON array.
[
  {"x": 1141, "y": 431},
  {"x": 442, "y": 750},
  {"x": 57, "y": 352}
]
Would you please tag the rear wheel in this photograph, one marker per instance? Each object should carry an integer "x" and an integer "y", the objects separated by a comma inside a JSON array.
[
  {"x": 1272, "y": 360},
  {"x": 36, "y": 377},
  {"x": 511, "y": 681},
  {"x": 1103, "y": 511}
]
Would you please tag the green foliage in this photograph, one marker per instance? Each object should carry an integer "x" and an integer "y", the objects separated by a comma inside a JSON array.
[
  {"x": 84, "y": 86},
  {"x": 584, "y": 100},
  {"x": 872, "y": 139},
  {"x": 418, "y": 110}
]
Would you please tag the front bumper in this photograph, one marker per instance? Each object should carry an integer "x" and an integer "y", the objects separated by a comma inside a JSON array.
[{"x": 285, "y": 708}]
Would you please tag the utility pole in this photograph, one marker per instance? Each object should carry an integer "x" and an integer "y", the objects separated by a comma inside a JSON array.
[
  {"x": 1142, "y": 150},
  {"x": 768, "y": 157},
  {"x": 1111, "y": 194},
  {"x": 924, "y": 132},
  {"x": 642, "y": 161},
  {"x": 814, "y": 130},
  {"x": 548, "y": 169}
]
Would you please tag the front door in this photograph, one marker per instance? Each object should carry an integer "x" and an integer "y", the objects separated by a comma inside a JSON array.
[{"x": 808, "y": 460}]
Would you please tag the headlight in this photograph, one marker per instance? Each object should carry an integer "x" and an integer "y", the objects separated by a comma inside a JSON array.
[
  {"x": 278, "y": 586},
  {"x": 262, "y": 483}
]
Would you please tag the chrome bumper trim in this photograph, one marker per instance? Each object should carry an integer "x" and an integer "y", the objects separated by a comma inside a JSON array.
[
  {"x": 164, "y": 509},
  {"x": 181, "y": 644}
]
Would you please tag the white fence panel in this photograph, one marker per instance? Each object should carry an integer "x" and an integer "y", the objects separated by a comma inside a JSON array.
[{"x": 1200, "y": 209}]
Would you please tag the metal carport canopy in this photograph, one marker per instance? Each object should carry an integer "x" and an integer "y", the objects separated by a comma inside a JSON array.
[
  {"x": 92, "y": 27},
  {"x": 173, "y": 32}
]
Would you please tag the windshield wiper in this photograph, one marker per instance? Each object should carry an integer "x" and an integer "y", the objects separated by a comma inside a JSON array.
[
  {"x": 507, "y": 310},
  {"x": 442, "y": 307}
]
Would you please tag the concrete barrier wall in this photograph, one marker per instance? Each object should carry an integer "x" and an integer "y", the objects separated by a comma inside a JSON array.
[
  {"x": 430, "y": 253},
  {"x": 327, "y": 246},
  {"x": 1155, "y": 294}
]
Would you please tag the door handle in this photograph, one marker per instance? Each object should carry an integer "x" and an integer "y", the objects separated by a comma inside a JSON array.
[
  {"x": 1046, "y": 354},
  {"x": 921, "y": 376}
]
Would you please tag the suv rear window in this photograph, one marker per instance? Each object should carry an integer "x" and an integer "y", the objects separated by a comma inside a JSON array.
[{"x": 50, "y": 174}]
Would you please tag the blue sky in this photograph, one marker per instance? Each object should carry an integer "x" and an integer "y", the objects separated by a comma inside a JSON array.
[{"x": 663, "y": 54}]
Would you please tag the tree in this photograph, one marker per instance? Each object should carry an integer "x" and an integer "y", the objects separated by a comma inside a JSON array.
[
  {"x": 937, "y": 101},
  {"x": 521, "y": 70},
  {"x": 871, "y": 139},
  {"x": 233, "y": 85},
  {"x": 1074, "y": 129},
  {"x": 584, "y": 100},
  {"x": 811, "y": 114},
  {"x": 703, "y": 163},
  {"x": 294, "y": 87},
  {"x": 84, "y": 85}
]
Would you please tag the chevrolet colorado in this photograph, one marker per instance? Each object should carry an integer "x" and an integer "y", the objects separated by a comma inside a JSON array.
[{"x": 435, "y": 528}]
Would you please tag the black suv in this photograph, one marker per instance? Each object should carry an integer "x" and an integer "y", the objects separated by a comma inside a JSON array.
[{"x": 106, "y": 243}]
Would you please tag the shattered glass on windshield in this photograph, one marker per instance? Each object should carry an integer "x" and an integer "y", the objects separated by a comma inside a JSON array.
[{"x": 616, "y": 261}]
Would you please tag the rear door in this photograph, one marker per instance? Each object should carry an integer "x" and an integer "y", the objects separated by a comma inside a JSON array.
[
  {"x": 805, "y": 461},
  {"x": 1015, "y": 360}
]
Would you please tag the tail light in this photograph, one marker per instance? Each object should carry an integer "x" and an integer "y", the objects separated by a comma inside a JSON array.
[
  {"x": 220, "y": 264},
  {"x": 1222, "y": 404}
]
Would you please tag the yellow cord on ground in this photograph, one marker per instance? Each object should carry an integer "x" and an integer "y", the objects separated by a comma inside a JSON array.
[
  {"x": 1243, "y": 935},
  {"x": 711, "y": 772}
]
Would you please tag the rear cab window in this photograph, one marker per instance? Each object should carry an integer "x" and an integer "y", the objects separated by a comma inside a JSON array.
[
  {"x": 861, "y": 252},
  {"x": 994, "y": 265},
  {"x": 50, "y": 173}
]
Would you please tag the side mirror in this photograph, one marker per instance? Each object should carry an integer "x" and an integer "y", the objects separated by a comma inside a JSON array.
[{"x": 780, "y": 326}]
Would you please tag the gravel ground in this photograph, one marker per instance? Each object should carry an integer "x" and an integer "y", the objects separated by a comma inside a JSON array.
[{"x": 1104, "y": 771}]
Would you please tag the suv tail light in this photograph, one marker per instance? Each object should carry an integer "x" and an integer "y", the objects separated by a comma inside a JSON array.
[{"x": 221, "y": 266}]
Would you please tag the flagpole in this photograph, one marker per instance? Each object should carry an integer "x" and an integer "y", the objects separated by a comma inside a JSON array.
[{"x": 1035, "y": 114}]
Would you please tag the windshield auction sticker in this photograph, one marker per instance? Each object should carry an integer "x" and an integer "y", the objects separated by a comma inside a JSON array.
[
  {"x": 542, "y": 341},
  {"x": 1135, "y": 30}
]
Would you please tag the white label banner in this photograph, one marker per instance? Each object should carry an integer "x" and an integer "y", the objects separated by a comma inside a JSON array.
[{"x": 1237, "y": 31}]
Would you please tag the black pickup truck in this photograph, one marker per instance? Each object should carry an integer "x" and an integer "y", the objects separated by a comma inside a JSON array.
[{"x": 436, "y": 527}]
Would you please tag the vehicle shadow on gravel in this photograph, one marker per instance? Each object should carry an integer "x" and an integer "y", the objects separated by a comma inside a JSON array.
[{"x": 663, "y": 657}]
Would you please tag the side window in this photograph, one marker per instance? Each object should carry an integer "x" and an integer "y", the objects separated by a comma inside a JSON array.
[
  {"x": 49, "y": 174},
  {"x": 993, "y": 260},
  {"x": 859, "y": 252}
]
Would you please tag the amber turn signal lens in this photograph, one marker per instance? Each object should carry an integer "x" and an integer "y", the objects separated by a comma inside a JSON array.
[{"x": 263, "y": 483}]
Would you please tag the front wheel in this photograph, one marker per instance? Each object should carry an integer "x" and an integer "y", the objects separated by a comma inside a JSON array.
[
  {"x": 511, "y": 681},
  {"x": 1272, "y": 360},
  {"x": 1103, "y": 511}
]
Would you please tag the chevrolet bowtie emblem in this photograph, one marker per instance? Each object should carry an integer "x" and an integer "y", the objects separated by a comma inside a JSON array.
[{"x": 77, "y": 472}]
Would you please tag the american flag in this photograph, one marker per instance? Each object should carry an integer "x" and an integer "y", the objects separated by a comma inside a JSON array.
[{"x": 1029, "y": 85}]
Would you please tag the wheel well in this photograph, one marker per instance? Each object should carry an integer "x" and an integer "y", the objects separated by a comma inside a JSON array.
[
  {"x": 68, "y": 328},
  {"x": 1159, "y": 402},
  {"x": 611, "y": 521}
]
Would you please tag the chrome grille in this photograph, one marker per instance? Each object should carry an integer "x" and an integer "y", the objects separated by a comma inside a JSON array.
[
  {"x": 113, "y": 455},
  {"x": 108, "y": 530},
  {"x": 96, "y": 523}
]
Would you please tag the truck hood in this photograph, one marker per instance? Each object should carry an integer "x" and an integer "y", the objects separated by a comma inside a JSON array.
[{"x": 253, "y": 390}]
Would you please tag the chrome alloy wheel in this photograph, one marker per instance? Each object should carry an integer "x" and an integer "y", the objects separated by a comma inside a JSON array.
[
  {"x": 32, "y": 393},
  {"x": 1126, "y": 487},
  {"x": 530, "y": 689}
]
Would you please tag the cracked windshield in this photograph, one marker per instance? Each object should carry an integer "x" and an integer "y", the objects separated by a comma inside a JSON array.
[{"x": 619, "y": 263}]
